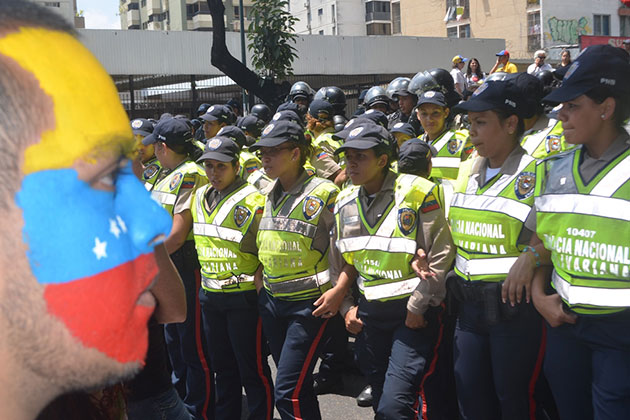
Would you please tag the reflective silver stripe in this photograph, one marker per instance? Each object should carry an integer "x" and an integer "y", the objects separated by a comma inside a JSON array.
[
  {"x": 386, "y": 229},
  {"x": 534, "y": 140},
  {"x": 255, "y": 176},
  {"x": 288, "y": 225},
  {"x": 297, "y": 200},
  {"x": 164, "y": 197},
  {"x": 216, "y": 284},
  {"x": 346, "y": 199},
  {"x": 506, "y": 180},
  {"x": 445, "y": 162},
  {"x": 214, "y": 231},
  {"x": 503, "y": 205},
  {"x": 597, "y": 296},
  {"x": 449, "y": 192},
  {"x": 442, "y": 142},
  {"x": 612, "y": 208},
  {"x": 613, "y": 180},
  {"x": 388, "y": 290},
  {"x": 377, "y": 243},
  {"x": 484, "y": 266},
  {"x": 229, "y": 204},
  {"x": 300, "y": 284}
]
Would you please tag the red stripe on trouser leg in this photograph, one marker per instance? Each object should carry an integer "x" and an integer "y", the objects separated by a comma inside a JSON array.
[
  {"x": 536, "y": 373},
  {"x": 307, "y": 362},
  {"x": 199, "y": 345},
  {"x": 261, "y": 372},
  {"x": 431, "y": 366}
]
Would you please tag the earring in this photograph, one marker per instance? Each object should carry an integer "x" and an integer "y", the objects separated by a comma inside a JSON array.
[{"x": 603, "y": 116}]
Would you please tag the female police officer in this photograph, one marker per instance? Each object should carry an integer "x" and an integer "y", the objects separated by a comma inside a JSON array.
[
  {"x": 381, "y": 222},
  {"x": 226, "y": 214},
  {"x": 293, "y": 240},
  {"x": 176, "y": 152},
  {"x": 582, "y": 218},
  {"x": 497, "y": 350}
]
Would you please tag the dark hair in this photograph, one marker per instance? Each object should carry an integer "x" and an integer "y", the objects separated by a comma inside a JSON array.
[
  {"x": 504, "y": 115},
  {"x": 390, "y": 151},
  {"x": 478, "y": 72},
  {"x": 306, "y": 150},
  {"x": 414, "y": 167},
  {"x": 189, "y": 149},
  {"x": 622, "y": 103}
]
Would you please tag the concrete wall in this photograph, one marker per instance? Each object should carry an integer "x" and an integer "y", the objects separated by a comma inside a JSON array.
[{"x": 175, "y": 52}]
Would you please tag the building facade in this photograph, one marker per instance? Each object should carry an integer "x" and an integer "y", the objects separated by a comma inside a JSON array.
[
  {"x": 178, "y": 15},
  {"x": 67, "y": 9},
  {"x": 526, "y": 25}
]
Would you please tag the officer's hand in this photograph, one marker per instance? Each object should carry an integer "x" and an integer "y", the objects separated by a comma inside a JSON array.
[
  {"x": 328, "y": 303},
  {"x": 550, "y": 307},
  {"x": 353, "y": 324},
  {"x": 519, "y": 277},
  {"x": 421, "y": 266},
  {"x": 415, "y": 321}
]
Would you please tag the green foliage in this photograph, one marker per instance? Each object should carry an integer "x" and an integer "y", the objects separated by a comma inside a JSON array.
[{"x": 270, "y": 37}]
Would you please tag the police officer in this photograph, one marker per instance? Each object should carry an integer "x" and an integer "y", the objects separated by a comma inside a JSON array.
[
  {"x": 453, "y": 146},
  {"x": 319, "y": 122},
  {"x": 226, "y": 214},
  {"x": 216, "y": 117},
  {"x": 498, "y": 347},
  {"x": 398, "y": 91},
  {"x": 262, "y": 112},
  {"x": 301, "y": 94},
  {"x": 151, "y": 168},
  {"x": 381, "y": 222},
  {"x": 335, "y": 96},
  {"x": 376, "y": 98},
  {"x": 172, "y": 140},
  {"x": 293, "y": 241},
  {"x": 248, "y": 162},
  {"x": 582, "y": 220}
]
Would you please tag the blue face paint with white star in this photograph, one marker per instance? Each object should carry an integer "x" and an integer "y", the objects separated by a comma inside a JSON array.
[{"x": 96, "y": 230}]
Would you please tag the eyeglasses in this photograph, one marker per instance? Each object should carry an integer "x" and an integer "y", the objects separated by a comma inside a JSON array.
[
  {"x": 272, "y": 151},
  {"x": 542, "y": 57}
]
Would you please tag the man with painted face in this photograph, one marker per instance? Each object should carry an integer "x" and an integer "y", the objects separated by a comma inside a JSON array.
[{"x": 78, "y": 229}]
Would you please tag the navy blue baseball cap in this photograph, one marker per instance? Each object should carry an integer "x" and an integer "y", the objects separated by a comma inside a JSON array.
[
  {"x": 499, "y": 95},
  {"x": 597, "y": 66},
  {"x": 415, "y": 150},
  {"x": 404, "y": 128},
  {"x": 531, "y": 88},
  {"x": 432, "y": 97},
  {"x": 172, "y": 131},
  {"x": 234, "y": 133},
  {"x": 220, "y": 148},
  {"x": 321, "y": 109},
  {"x": 221, "y": 113},
  {"x": 365, "y": 136},
  {"x": 278, "y": 132},
  {"x": 142, "y": 127},
  {"x": 252, "y": 124},
  {"x": 375, "y": 116},
  {"x": 288, "y": 115}
]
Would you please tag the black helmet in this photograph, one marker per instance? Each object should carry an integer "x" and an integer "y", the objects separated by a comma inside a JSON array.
[
  {"x": 497, "y": 77},
  {"x": 203, "y": 108},
  {"x": 340, "y": 122},
  {"x": 376, "y": 95},
  {"x": 443, "y": 77},
  {"x": 335, "y": 96},
  {"x": 362, "y": 96},
  {"x": 261, "y": 111},
  {"x": 301, "y": 89},
  {"x": 398, "y": 86},
  {"x": 547, "y": 79}
]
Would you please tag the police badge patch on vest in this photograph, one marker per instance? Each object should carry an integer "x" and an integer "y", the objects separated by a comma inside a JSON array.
[
  {"x": 524, "y": 185},
  {"x": 241, "y": 215},
  {"x": 312, "y": 206},
  {"x": 175, "y": 181},
  {"x": 150, "y": 171},
  {"x": 553, "y": 143},
  {"x": 406, "y": 220},
  {"x": 453, "y": 145}
]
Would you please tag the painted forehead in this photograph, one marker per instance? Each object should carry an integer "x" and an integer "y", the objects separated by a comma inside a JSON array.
[{"x": 88, "y": 115}]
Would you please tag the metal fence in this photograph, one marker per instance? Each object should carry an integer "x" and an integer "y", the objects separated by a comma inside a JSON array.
[{"x": 149, "y": 96}]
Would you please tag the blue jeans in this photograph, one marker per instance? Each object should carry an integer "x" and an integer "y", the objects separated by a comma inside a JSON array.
[{"x": 165, "y": 406}]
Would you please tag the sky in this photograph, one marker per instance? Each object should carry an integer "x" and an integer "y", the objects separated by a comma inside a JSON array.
[{"x": 100, "y": 14}]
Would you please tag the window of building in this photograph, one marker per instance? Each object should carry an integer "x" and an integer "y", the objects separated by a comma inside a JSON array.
[
  {"x": 624, "y": 25},
  {"x": 321, "y": 32},
  {"x": 457, "y": 10},
  {"x": 377, "y": 10},
  {"x": 533, "y": 31},
  {"x": 320, "y": 12},
  {"x": 145, "y": 25},
  {"x": 533, "y": 2},
  {"x": 52, "y": 4},
  {"x": 451, "y": 32},
  {"x": 132, "y": 6},
  {"x": 379, "y": 29},
  {"x": 396, "y": 28},
  {"x": 143, "y": 3},
  {"x": 601, "y": 24},
  {"x": 459, "y": 31}
]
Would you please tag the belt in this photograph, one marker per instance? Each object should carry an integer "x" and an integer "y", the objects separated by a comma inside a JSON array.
[
  {"x": 229, "y": 283},
  {"x": 298, "y": 285}
]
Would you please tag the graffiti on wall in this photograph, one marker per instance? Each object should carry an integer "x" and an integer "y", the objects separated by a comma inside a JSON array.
[{"x": 567, "y": 30}]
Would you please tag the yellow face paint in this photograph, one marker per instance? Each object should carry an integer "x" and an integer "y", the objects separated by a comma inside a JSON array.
[{"x": 89, "y": 117}]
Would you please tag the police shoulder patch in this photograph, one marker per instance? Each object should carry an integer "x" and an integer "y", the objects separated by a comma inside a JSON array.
[
  {"x": 430, "y": 202},
  {"x": 312, "y": 206},
  {"x": 406, "y": 220},
  {"x": 553, "y": 143},
  {"x": 175, "y": 180},
  {"x": 241, "y": 215},
  {"x": 150, "y": 171},
  {"x": 453, "y": 145},
  {"x": 524, "y": 185}
]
